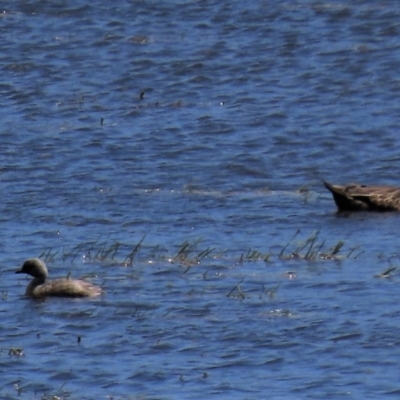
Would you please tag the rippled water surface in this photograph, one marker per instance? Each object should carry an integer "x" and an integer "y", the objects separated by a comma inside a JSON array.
[{"x": 174, "y": 152}]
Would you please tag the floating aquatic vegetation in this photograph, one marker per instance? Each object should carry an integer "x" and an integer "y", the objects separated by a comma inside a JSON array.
[
  {"x": 236, "y": 292},
  {"x": 271, "y": 292},
  {"x": 188, "y": 255},
  {"x": 16, "y": 351},
  {"x": 313, "y": 249},
  {"x": 255, "y": 255},
  {"x": 386, "y": 273},
  {"x": 47, "y": 255},
  {"x": 193, "y": 253},
  {"x": 131, "y": 256}
]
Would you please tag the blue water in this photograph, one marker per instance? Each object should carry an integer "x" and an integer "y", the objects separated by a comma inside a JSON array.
[{"x": 174, "y": 152}]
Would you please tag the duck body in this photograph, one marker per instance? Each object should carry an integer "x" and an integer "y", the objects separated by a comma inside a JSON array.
[
  {"x": 356, "y": 197},
  {"x": 64, "y": 287}
]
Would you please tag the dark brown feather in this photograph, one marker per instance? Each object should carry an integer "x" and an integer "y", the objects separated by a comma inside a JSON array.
[{"x": 355, "y": 197}]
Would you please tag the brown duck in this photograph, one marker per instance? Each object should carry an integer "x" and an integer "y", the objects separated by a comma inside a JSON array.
[
  {"x": 63, "y": 287},
  {"x": 355, "y": 197}
]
